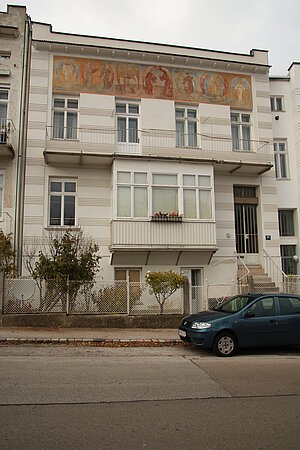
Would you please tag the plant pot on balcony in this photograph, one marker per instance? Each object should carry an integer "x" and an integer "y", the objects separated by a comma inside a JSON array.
[{"x": 166, "y": 218}]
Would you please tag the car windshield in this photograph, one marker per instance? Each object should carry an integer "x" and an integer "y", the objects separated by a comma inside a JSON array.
[{"x": 234, "y": 304}]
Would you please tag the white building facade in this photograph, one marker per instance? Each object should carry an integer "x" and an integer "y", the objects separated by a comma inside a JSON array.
[
  {"x": 162, "y": 154},
  {"x": 15, "y": 46},
  {"x": 285, "y": 105}
]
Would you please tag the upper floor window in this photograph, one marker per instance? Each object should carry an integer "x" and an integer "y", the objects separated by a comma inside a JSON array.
[
  {"x": 132, "y": 194},
  {"x": 280, "y": 157},
  {"x": 240, "y": 131},
  {"x": 62, "y": 202},
  {"x": 186, "y": 127},
  {"x": 197, "y": 202},
  {"x": 127, "y": 122},
  {"x": 286, "y": 222},
  {"x": 168, "y": 193},
  {"x": 3, "y": 115},
  {"x": 1, "y": 194},
  {"x": 65, "y": 118},
  {"x": 276, "y": 103}
]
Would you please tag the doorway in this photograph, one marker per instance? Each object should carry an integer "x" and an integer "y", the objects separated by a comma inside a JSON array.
[
  {"x": 196, "y": 294},
  {"x": 246, "y": 226}
]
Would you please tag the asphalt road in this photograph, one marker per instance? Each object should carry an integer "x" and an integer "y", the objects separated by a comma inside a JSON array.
[{"x": 155, "y": 398}]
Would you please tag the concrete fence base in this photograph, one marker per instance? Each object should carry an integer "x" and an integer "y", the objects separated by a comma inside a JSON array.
[{"x": 90, "y": 321}]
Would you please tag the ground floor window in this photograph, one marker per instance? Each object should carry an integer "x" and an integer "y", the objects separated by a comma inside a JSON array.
[{"x": 288, "y": 263}]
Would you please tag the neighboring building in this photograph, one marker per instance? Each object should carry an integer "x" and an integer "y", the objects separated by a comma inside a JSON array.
[
  {"x": 15, "y": 46},
  {"x": 285, "y": 105},
  {"x": 134, "y": 129}
]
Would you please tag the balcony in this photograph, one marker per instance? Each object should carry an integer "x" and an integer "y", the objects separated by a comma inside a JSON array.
[
  {"x": 162, "y": 243},
  {"x": 83, "y": 145},
  {"x": 7, "y": 138}
]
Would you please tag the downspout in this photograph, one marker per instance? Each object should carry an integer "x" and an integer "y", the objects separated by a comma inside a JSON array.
[{"x": 22, "y": 145}]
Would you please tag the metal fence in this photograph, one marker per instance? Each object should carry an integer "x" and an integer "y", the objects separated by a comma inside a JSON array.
[{"x": 25, "y": 295}]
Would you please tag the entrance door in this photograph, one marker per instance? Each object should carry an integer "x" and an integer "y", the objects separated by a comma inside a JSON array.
[
  {"x": 197, "y": 299},
  {"x": 246, "y": 228}
]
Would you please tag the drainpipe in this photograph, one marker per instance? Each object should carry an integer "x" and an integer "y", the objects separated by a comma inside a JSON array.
[{"x": 22, "y": 146}]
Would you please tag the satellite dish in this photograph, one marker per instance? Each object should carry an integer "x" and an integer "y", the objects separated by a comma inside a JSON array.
[{"x": 24, "y": 289}]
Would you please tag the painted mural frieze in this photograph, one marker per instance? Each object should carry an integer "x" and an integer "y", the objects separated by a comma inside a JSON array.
[{"x": 75, "y": 75}]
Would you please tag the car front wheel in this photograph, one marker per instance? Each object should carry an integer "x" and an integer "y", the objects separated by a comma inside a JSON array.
[{"x": 225, "y": 344}]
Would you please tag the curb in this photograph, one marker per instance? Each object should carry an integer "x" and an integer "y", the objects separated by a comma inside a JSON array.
[{"x": 96, "y": 342}]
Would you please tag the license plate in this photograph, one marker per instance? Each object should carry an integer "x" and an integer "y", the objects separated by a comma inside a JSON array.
[{"x": 182, "y": 333}]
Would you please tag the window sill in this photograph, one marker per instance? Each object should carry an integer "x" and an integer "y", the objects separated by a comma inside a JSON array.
[{"x": 62, "y": 227}]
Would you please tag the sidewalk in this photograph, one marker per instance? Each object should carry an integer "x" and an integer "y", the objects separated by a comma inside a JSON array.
[{"x": 108, "y": 337}]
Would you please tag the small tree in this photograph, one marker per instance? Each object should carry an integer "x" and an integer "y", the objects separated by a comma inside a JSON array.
[
  {"x": 70, "y": 262},
  {"x": 163, "y": 285},
  {"x": 7, "y": 255}
]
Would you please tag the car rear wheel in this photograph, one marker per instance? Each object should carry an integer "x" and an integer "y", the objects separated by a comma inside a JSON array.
[{"x": 225, "y": 344}]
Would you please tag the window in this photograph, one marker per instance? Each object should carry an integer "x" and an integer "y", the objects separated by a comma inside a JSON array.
[
  {"x": 164, "y": 193},
  {"x": 286, "y": 222},
  {"x": 197, "y": 203},
  {"x": 1, "y": 193},
  {"x": 240, "y": 131},
  {"x": 186, "y": 127},
  {"x": 288, "y": 264},
  {"x": 65, "y": 118},
  {"x": 127, "y": 122},
  {"x": 169, "y": 193},
  {"x": 62, "y": 202},
  {"x": 280, "y": 158},
  {"x": 289, "y": 305},
  {"x": 3, "y": 115},
  {"x": 276, "y": 103},
  {"x": 132, "y": 194},
  {"x": 263, "y": 308}
]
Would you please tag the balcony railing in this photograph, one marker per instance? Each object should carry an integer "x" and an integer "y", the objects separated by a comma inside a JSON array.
[
  {"x": 7, "y": 129},
  {"x": 139, "y": 141},
  {"x": 147, "y": 234}
]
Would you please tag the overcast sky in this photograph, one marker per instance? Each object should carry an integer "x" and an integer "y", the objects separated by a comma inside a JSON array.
[{"x": 232, "y": 25}]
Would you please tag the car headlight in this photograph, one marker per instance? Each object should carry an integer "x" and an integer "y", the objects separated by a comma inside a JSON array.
[{"x": 201, "y": 325}]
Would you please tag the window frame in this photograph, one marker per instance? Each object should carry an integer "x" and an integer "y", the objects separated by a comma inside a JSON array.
[
  {"x": 130, "y": 138},
  {"x": 239, "y": 143},
  {"x": 63, "y": 193},
  {"x": 131, "y": 184},
  {"x": 186, "y": 120},
  {"x": 274, "y": 103},
  {"x": 3, "y": 120},
  {"x": 151, "y": 185},
  {"x": 279, "y": 157},
  {"x": 66, "y": 111},
  {"x": 286, "y": 224},
  {"x": 2, "y": 172}
]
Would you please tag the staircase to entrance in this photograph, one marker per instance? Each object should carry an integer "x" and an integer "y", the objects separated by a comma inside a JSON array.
[{"x": 259, "y": 281}]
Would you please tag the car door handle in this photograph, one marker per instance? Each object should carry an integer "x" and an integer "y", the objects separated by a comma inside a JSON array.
[{"x": 273, "y": 321}]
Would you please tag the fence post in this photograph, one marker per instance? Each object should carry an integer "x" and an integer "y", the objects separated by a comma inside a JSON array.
[
  {"x": 128, "y": 296},
  {"x": 206, "y": 293},
  {"x": 68, "y": 297}
]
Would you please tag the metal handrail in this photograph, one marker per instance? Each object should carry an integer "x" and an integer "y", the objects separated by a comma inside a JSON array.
[
  {"x": 239, "y": 259},
  {"x": 157, "y": 138}
]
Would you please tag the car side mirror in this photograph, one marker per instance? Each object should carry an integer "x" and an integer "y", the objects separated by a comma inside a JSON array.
[{"x": 249, "y": 314}]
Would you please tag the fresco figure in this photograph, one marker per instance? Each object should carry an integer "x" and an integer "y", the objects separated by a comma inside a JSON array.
[
  {"x": 150, "y": 78},
  {"x": 240, "y": 89},
  {"x": 188, "y": 84},
  {"x": 128, "y": 79},
  {"x": 167, "y": 79},
  {"x": 66, "y": 72},
  {"x": 107, "y": 76}
]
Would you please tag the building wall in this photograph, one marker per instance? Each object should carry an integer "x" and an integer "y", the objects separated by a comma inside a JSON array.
[
  {"x": 11, "y": 44},
  {"x": 96, "y": 185}
]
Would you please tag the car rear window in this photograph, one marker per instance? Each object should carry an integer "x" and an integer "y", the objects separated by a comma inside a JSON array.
[{"x": 289, "y": 305}]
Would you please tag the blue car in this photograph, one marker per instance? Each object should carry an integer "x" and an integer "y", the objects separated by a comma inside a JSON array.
[{"x": 252, "y": 320}]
